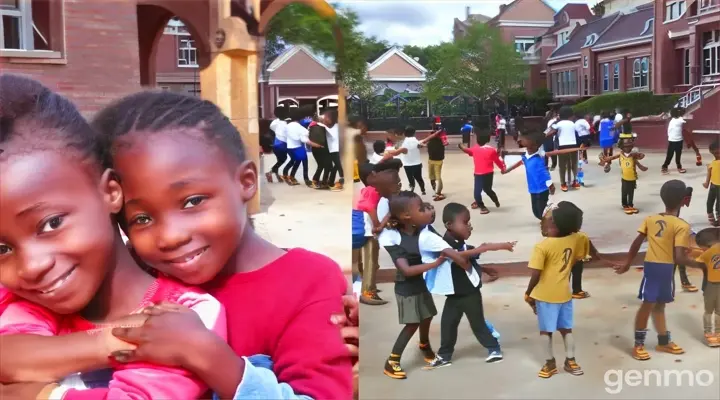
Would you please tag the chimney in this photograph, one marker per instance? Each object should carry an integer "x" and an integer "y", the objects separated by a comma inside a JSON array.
[
  {"x": 467, "y": 12},
  {"x": 502, "y": 7}
]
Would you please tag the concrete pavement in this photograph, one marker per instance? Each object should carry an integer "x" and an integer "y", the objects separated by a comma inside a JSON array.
[
  {"x": 603, "y": 335},
  {"x": 604, "y": 221}
]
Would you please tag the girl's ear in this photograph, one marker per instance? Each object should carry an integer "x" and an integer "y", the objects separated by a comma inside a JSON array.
[
  {"x": 111, "y": 190},
  {"x": 246, "y": 176}
]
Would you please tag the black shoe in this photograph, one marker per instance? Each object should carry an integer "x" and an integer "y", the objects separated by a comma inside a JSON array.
[
  {"x": 393, "y": 368},
  {"x": 438, "y": 362}
]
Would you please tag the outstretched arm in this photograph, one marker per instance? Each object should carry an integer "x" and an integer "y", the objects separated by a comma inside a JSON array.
[
  {"x": 564, "y": 151},
  {"x": 514, "y": 166},
  {"x": 429, "y": 137},
  {"x": 465, "y": 149},
  {"x": 634, "y": 249}
]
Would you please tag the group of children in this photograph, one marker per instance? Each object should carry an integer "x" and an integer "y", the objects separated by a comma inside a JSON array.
[
  {"x": 428, "y": 262},
  {"x": 296, "y": 129},
  {"x": 175, "y": 312}
]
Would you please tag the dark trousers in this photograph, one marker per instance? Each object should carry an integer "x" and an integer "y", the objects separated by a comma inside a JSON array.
[
  {"x": 627, "y": 192},
  {"x": 484, "y": 183},
  {"x": 674, "y": 149},
  {"x": 455, "y": 306},
  {"x": 501, "y": 139},
  {"x": 336, "y": 169},
  {"x": 683, "y": 274},
  {"x": 281, "y": 156},
  {"x": 577, "y": 270},
  {"x": 539, "y": 201},
  {"x": 290, "y": 164},
  {"x": 549, "y": 145},
  {"x": 322, "y": 158},
  {"x": 296, "y": 164},
  {"x": 414, "y": 174},
  {"x": 713, "y": 200}
]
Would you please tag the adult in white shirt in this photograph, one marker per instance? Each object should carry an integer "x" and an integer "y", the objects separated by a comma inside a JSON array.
[
  {"x": 549, "y": 143},
  {"x": 582, "y": 128},
  {"x": 564, "y": 132},
  {"x": 412, "y": 162},
  {"x": 333, "y": 138},
  {"x": 502, "y": 131},
  {"x": 675, "y": 141},
  {"x": 279, "y": 126},
  {"x": 297, "y": 137}
]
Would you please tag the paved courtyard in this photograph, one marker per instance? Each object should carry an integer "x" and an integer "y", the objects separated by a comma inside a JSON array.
[
  {"x": 604, "y": 221},
  {"x": 603, "y": 335}
]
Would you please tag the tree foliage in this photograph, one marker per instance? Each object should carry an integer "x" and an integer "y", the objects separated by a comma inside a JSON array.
[
  {"x": 478, "y": 65},
  {"x": 299, "y": 24}
]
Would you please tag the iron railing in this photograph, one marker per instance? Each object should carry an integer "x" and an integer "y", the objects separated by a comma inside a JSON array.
[{"x": 695, "y": 94}]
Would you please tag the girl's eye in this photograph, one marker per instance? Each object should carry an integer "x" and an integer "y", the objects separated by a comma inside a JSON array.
[
  {"x": 4, "y": 249},
  {"x": 140, "y": 220},
  {"x": 52, "y": 224},
  {"x": 194, "y": 201}
]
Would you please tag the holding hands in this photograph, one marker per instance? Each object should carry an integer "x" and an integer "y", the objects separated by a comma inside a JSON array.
[{"x": 531, "y": 303}]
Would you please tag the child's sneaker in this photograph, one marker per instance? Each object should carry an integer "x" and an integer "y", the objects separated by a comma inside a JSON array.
[
  {"x": 548, "y": 370},
  {"x": 639, "y": 353},
  {"x": 634, "y": 210},
  {"x": 572, "y": 367},
  {"x": 627, "y": 210},
  {"x": 689, "y": 287},
  {"x": 671, "y": 348},
  {"x": 293, "y": 182},
  {"x": 438, "y": 362},
  {"x": 372, "y": 299},
  {"x": 698, "y": 160},
  {"x": 581, "y": 295},
  {"x": 338, "y": 187},
  {"x": 712, "y": 340},
  {"x": 576, "y": 185},
  {"x": 427, "y": 351},
  {"x": 564, "y": 188},
  {"x": 393, "y": 368},
  {"x": 309, "y": 184},
  {"x": 494, "y": 356}
]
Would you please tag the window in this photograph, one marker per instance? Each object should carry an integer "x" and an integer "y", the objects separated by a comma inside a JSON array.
[
  {"x": 616, "y": 76},
  {"x": 564, "y": 38},
  {"x": 606, "y": 77},
  {"x": 711, "y": 53},
  {"x": 674, "y": 10},
  {"x": 585, "y": 86},
  {"x": 641, "y": 72},
  {"x": 590, "y": 39},
  {"x": 706, "y": 5},
  {"x": 686, "y": 68},
  {"x": 31, "y": 25},
  {"x": 187, "y": 53},
  {"x": 585, "y": 62},
  {"x": 522, "y": 45},
  {"x": 565, "y": 83}
]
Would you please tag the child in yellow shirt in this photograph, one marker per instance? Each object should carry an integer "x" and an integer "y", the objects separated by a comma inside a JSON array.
[
  {"x": 548, "y": 291},
  {"x": 668, "y": 239},
  {"x": 709, "y": 240},
  {"x": 712, "y": 182},
  {"x": 629, "y": 163}
]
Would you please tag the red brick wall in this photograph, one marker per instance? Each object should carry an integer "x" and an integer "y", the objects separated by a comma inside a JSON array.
[
  {"x": 166, "y": 56},
  {"x": 102, "y": 53}
]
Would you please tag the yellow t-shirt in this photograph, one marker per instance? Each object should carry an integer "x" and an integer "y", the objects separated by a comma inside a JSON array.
[
  {"x": 664, "y": 233},
  {"x": 711, "y": 259},
  {"x": 715, "y": 172},
  {"x": 554, "y": 258},
  {"x": 627, "y": 166}
]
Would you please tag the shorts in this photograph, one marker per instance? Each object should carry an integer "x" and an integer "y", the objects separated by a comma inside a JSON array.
[
  {"x": 585, "y": 140},
  {"x": 554, "y": 316},
  {"x": 298, "y": 153},
  {"x": 607, "y": 143},
  {"x": 358, "y": 229},
  {"x": 658, "y": 283}
]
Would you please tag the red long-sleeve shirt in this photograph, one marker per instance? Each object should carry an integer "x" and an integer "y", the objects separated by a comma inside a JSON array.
[
  {"x": 283, "y": 310},
  {"x": 484, "y": 157}
]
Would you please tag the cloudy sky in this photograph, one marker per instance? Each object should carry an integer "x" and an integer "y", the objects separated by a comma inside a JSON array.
[{"x": 421, "y": 23}]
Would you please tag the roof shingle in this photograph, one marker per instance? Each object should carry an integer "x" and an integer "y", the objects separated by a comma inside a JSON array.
[
  {"x": 634, "y": 25},
  {"x": 580, "y": 35}
]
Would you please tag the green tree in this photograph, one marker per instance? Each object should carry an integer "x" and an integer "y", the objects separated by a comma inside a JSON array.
[
  {"x": 375, "y": 47},
  {"x": 298, "y": 24},
  {"x": 478, "y": 65}
]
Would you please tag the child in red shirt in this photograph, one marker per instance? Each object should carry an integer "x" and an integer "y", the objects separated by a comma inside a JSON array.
[
  {"x": 484, "y": 158},
  {"x": 193, "y": 224}
]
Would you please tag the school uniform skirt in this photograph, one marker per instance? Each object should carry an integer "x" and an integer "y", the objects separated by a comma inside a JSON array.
[{"x": 415, "y": 308}]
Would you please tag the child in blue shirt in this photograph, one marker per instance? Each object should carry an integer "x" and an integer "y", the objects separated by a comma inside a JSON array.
[
  {"x": 607, "y": 139},
  {"x": 466, "y": 131}
]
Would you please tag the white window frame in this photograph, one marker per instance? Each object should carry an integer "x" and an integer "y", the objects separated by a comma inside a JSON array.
[
  {"x": 675, "y": 10},
  {"x": 186, "y": 47},
  {"x": 564, "y": 38},
  {"x": 606, "y": 77},
  {"x": 711, "y": 55},
  {"x": 616, "y": 77},
  {"x": 641, "y": 73},
  {"x": 590, "y": 39},
  {"x": 526, "y": 43},
  {"x": 24, "y": 14},
  {"x": 585, "y": 62}
]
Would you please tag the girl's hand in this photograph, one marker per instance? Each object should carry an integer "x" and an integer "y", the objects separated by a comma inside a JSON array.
[
  {"x": 166, "y": 336},
  {"x": 491, "y": 273},
  {"x": 509, "y": 246},
  {"x": 110, "y": 344},
  {"x": 643, "y": 168},
  {"x": 621, "y": 269},
  {"x": 706, "y": 185}
]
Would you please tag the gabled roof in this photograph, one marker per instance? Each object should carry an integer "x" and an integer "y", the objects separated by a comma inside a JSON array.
[
  {"x": 577, "y": 11},
  {"x": 637, "y": 25},
  {"x": 290, "y": 52},
  {"x": 513, "y": 4},
  {"x": 396, "y": 51},
  {"x": 585, "y": 36}
]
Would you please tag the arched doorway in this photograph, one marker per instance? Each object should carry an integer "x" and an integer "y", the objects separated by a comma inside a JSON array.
[
  {"x": 288, "y": 102},
  {"x": 177, "y": 66},
  {"x": 326, "y": 102}
]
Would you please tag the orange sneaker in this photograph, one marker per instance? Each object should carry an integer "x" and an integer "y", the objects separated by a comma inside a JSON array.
[
  {"x": 572, "y": 367},
  {"x": 712, "y": 340},
  {"x": 639, "y": 353},
  {"x": 564, "y": 188},
  {"x": 688, "y": 287},
  {"x": 581, "y": 295},
  {"x": 338, "y": 187},
  {"x": 548, "y": 370},
  {"x": 627, "y": 210},
  {"x": 671, "y": 348},
  {"x": 427, "y": 351}
]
